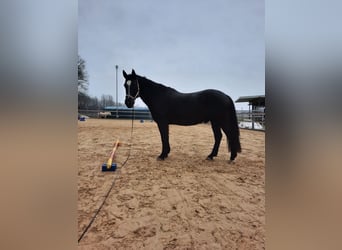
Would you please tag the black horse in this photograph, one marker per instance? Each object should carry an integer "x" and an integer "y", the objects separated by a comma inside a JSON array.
[{"x": 168, "y": 106}]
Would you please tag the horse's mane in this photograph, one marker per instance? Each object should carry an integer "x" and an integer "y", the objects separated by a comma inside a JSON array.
[{"x": 155, "y": 84}]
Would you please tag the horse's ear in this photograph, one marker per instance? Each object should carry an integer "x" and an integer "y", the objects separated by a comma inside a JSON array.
[
  {"x": 124, "y": 74},
  {"x": 133, "y": 72}
]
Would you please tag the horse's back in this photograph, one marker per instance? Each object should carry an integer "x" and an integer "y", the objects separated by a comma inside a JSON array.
[
  {"x": 197, "y": 107},
  {"x": 214, "y": 96},
  {"x": 215, "y": 101},
  {"x": 201, "y": 98}
]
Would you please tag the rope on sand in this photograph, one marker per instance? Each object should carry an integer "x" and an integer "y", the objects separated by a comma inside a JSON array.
[{"x": 111, "y": 187}]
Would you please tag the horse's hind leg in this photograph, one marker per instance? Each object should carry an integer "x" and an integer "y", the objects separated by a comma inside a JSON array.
[
  {"x": 218, "y": 136},
  {"x": 233, "y": 140}
]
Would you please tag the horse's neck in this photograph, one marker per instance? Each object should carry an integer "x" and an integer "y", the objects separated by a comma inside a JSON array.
[{"x": 150, "y": 90}]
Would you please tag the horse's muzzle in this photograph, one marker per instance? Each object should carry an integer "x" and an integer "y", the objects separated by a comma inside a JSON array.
[{"x": 129, "y": 102}]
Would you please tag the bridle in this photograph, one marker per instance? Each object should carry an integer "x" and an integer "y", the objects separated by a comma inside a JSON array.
[{"x": 129, "y": 92}]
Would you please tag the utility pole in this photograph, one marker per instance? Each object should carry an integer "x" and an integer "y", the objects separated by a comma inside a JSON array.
[{"x": 117, "y": 104}]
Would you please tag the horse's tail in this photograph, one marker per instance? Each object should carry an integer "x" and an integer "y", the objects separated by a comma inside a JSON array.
[{"x": 234, "y": 131}]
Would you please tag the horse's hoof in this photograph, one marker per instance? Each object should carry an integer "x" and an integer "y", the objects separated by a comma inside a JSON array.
[
  {"x": 231, "y": 162},
  {"x": 210, "y": 158},
  {"x": 161, "y": 158}
]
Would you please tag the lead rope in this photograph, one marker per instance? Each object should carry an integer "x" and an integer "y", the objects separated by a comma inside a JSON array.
[{"x": 111, "y": 187}]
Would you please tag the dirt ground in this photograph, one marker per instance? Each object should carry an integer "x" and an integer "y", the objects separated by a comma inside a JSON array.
[{"x": 184, "y": 202}]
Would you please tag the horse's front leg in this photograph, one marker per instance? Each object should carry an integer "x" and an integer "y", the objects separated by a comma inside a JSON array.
[{"x": 164, "y": 134}]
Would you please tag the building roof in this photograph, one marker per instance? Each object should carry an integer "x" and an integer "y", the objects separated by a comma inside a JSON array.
[{"x": 253, "y": 98}]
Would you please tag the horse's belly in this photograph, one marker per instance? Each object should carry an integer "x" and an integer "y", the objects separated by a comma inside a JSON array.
[{"x": 187, "y": 121}]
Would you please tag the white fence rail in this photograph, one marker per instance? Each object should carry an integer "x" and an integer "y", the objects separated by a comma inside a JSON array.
[{"x": 118, "y": 114}]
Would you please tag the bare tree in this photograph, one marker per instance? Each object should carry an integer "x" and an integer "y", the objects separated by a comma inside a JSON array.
[
  {"x": 82, "y": 76},
  {"x": 106, "y": 100},
  {"x": 83, "y": 83}
]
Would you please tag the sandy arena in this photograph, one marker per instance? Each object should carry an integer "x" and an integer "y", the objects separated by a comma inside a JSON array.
[{"x": 184, "y": 202}]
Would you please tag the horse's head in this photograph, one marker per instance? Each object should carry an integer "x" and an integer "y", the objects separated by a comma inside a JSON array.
[{"x": 132, "y": 88}]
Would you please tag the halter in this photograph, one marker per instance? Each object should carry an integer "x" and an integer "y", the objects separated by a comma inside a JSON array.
[{"x": 129, "y": 92}]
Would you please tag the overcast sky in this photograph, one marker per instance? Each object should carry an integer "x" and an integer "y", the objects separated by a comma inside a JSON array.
[{"x": 188, "y": 45}]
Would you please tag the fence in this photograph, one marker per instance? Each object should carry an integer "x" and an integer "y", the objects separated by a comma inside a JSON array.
[
  {"x": 139, "y": 114},
  {"x": 252, "y": 120},
  {"x": 248, "y": 120}
]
